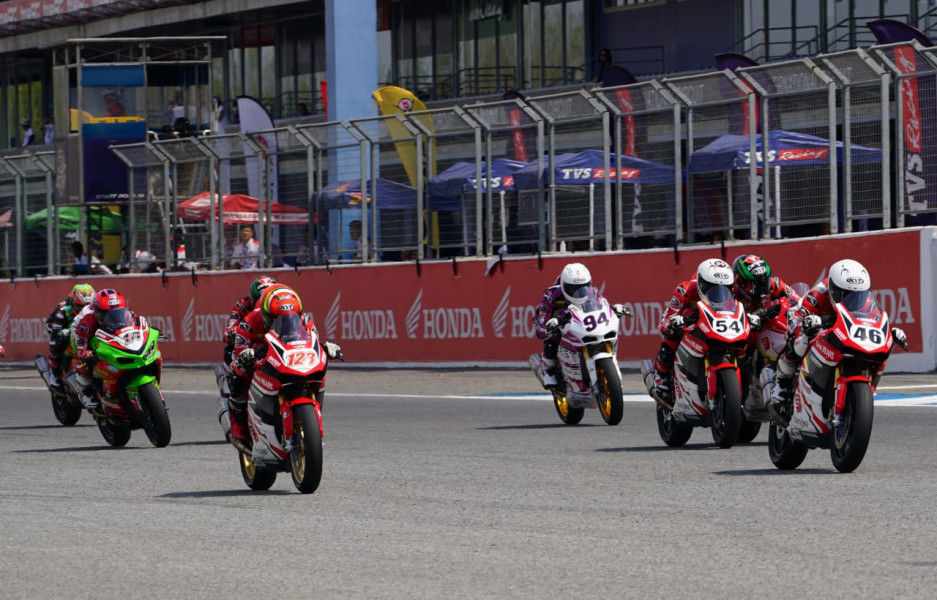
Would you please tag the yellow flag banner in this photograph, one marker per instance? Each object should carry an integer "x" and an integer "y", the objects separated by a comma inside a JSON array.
[{"x": 396, "y": 100}]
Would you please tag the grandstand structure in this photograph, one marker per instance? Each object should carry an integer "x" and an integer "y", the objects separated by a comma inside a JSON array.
[{"x": 820, "y": 128}]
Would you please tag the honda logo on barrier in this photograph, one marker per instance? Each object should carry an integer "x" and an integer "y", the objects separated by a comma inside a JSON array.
[
  {"x": 443, "y": 322},
  {"x": 360, "y": 324}
]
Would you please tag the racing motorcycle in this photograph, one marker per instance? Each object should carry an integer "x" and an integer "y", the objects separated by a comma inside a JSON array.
[
  {"x": 126, "y": 372},
  {"x": 587, "y": 368},
  {"x": 707, "y": 389},
  {"x": 284, "y": 408},
  {"x": 833, "y": 388},
  {"x": 66, "y": 406}
]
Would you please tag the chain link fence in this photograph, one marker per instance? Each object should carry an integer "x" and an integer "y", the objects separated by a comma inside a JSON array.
[{"x": 841, "y": 142}]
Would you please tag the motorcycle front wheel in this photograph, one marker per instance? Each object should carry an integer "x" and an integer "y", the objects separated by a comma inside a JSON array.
[
  {"x": 612, "y": 406},
  {"x": 748, "y": 431},
  {"x": 673, "y": 432},
  {"x": 155, "y": 420},
  {"x": 568, "y": 415},
  {"x": 66, "y": 412},
  {"x": 727, "y": 412},
  {"x": 256, "y": 478},
  {"x": 785, "y": 453},
  {"x": 851, "y": 437},
  {"x": 306, "y": 456},
  {"x": 114, "y": 434}
]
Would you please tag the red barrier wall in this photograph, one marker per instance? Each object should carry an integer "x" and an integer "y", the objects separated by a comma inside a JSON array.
[{"x": 467, "y": 313}]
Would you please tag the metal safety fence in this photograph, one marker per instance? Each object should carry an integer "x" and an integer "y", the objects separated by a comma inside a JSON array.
[{"x": 839, "y": 142}]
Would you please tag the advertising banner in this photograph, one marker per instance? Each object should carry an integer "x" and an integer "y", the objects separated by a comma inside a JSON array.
[{"x": 472, "y": 312}]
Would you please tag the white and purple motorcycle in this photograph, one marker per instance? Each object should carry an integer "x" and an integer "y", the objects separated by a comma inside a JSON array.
[{"x": 587, "y": 368}]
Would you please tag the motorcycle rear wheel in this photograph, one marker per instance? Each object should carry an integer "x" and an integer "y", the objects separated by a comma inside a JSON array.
[
  {"x": 155, "y": 420},
  {"x": 114, "y": 434},
  {"x": 65, "y": 411},
  {"x": 256, "y": 478},
  {"x": 785, "y": 453},
  {"x": 613, "y": 406},
  {"x": 851, "y": 438},
  {"x": 306, "y": 456},
  {"x": 568, "y": 415},
  {"x": 727, "y": 414},
  {"x": 673, "y": 432}
]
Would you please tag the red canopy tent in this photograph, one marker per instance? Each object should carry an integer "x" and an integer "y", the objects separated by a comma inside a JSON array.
[{"x": 239, "y": 208}]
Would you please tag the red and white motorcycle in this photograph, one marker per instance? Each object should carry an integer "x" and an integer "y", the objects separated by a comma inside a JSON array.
[
  {"x": 833, "y": 389},
  {"x": 588, "y": 375},
  {"x": 707, "y": 389},
  {"x": 284, "y": 408}
]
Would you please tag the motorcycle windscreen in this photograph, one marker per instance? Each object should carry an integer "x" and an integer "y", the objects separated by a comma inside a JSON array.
[
  {"x": 593, "y": 301},
  {"x": 861, "y": 304},
  {"x": 719, "y": 297},
  {"x": 289, "y": 329},
  {"x": 115, "y": 319}
]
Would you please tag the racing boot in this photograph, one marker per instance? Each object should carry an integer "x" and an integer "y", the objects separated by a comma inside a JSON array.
[
  {"x": 54, "y": 380},
  {"x": 779, "y": 406},
  {"x": 663, "y": 388},
  {"x": 548, "y": 371},
  {"x": 239, "y": 433},
  {"x": 83, "y": 387}
]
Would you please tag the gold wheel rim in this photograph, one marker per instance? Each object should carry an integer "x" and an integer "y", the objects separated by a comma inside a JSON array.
[
  {"x": 561, "y": 404},
  {"x": 605, "y": 407},
  {"x": 249, "y": 467}
]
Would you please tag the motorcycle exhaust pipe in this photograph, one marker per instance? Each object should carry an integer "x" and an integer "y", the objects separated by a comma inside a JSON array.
[{"x": 224, "y": 419}]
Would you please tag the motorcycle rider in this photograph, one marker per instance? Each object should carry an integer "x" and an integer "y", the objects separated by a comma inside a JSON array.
[
  {"x": 756, "y": 289},
  {"x": 711, "y": 273},
  {"x": 240, "y": 310},
  {"x": 573, "y": 286},
  {"x": 847, "y": 278},
  {"x": 249, "y": 348},
  {"x": 59, "y": 322},
  {"x": 108, "y": 311}
]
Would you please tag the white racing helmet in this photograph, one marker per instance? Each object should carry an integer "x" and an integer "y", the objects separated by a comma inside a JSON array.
[
  {"x": 713, "y": 272},
  {"x": 575, "y": 281},
  {"x": 848, "y": 276}
]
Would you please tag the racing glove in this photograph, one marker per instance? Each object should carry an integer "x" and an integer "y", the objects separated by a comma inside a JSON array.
[
  {"x": 900, "y": 337},
  {"x": 229, "y": 337},
  {"x": 244, "y": 361},
  {"x": 754, "y": 319},
  {"x": 811, "y": 325},
  {"x": 334, "y": 351},
  {"x": 621, "y": 310},
  {"x": 85, "y": 362},
  {"x": 552, "y": 325},
  {"x": 675, "y": 323}
]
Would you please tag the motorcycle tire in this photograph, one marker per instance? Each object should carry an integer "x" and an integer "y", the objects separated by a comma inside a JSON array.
[
  {"x": 569, "y": 416},
  {"x": 672, "y": 432},
  {"x": 851, "y": 437},
  {"x": 66, "y": 412},
  {"x": 114, "y": 434},
  {"x": 306, "y": 456},
  {"x": 612, "y": 407},
  {"x": 154, "y": 420},
  {"x": 726, "y": 417},
  {"x": 256, "y": 478},
  {"x": 785, "y": 453},
  {"x": 748, "y": 431}
]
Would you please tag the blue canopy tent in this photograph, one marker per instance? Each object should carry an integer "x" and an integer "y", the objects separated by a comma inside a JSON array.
[
  {"x": 395, "y": 214},
  {"x": 578, "y": 177},
  {"x": 458, "y": 184},
  {"x": 786, "y": 150}
]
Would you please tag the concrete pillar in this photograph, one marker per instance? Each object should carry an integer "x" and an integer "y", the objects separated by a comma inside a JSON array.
[{"x": 351, "y": 64}]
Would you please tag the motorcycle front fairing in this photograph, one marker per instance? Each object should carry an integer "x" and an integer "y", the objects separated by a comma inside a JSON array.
[
  {"x": 717, "y": 335},
  {"x": 590, "y": 335}
]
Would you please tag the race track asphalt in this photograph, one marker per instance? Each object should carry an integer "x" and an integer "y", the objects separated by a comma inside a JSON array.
[{"x": 459, "y": 484}]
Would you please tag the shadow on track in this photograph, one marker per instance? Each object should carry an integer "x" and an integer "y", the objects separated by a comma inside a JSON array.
[
  {"x": 80, "y": 449},
  {"x": 538, "y": 426},
  {"x": 788, "y": 472},
  {"x": 225, "y": 493},
  {"x": 50, "y": 426}
]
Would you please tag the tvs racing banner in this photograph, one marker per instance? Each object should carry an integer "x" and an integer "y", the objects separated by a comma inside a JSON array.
[{"x": 478, "y": 311}]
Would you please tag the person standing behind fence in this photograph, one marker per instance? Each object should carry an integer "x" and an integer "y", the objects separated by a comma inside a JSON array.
[
  {"x": 48, "y": 131},
  {"x": 247, "y": 251},
  {"x": 29, "y": 136},
  {"x": 605, "y": 61}
]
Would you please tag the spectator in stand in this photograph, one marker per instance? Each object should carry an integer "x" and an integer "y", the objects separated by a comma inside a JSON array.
[
  {"x": 48, "y": 131},
  {"x": 29, "y": 136},
  {"x": 302, "y": 109},
  {"x": 85, "y": 265},
  {"x": 605, "y": 61},
  {"x": 247, "y": 251}
]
